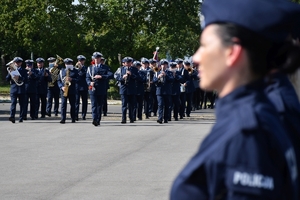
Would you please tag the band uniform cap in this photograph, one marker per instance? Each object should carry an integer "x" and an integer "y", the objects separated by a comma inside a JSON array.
[
  {"x": 18, "y": 59},
  {"x": 40, "y": 60},
  {"x": 272, "y": 19},
  {"x": 144, "y": 60},
  {"x": 136, "y": 63},
  {"x": 97, "y": 54},
  {"x": 51, "y": 59},
  {"x": 29, "y": 61},
  {"x": 179, "y": 60},
  {"x": 164, "y": 62},
  {"x": 68, "y": 60},
  {"x": 173, "y": 64},
  {"x": 186, "y": 62},
  {"x": 127, "y": 59},
  {"x": 81, "y": 57},
  {"x": 152, "y": 61}
]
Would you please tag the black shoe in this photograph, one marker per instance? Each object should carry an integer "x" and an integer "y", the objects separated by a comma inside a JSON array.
[
  {"x": 95, "y": 123},
  {"x": 43, "y": 116},
  {"x": 187, "y": 115},
  {"x": 76, "y": 119},
  {"x": 32, "y": 118},
  {"x": 24, "y": 118},
  {"x": 131, "y": 121},
  {"x": 12, "y": 119},
  {"x": 83, "y": 118},
  {"x": 181, "y": 117},
  {"x": 56, "y": 114},
  {"x": 159, "y": 121},
  {"x": 176, "y": 119},
  {"x": 166, "y": 121},
  {"x": 140, "y": 118},
  {"x": 154, "y": 115},
  {"x": 169, "y": 119},
  {"x": 147, "y": 117},
  {"x": 123, "y": 122},
  {"x": 48, "y": 114},
  {"x": 104, "y": 114},
  {"x": 21, "y": 120},
  {"x": 73, "y": 121},
  {"x": 62, "y": 122}
]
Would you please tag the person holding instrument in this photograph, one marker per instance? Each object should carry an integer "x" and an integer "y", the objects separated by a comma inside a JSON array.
[{"x": 248, "y": 153}]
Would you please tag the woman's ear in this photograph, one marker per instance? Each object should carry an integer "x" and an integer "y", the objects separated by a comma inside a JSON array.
[{"x": 234, "y": 53}]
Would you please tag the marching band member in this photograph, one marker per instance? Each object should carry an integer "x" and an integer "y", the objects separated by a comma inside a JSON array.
[
  {"x": 175, "y": 96},
  {"x": 82, "y": 88},
  {"x": 43, "y": 78},
  {"x": 67, "y": 80},
  {"x": 126, "y": 76},
  {"x": 105, "y": 106},
  {"x": 197, "y": 92},
  {"x": 53, "y": 89},
  {"x": 30, "y": 88},
  {"x": 148, "y": 87},
  {"x": 163, "y": 80},
  {"x": 140, "y": 82},
  {"x": 96, "y": 77},
  {"x": 17, "y": 78},
  {"x": 154, "y": 103},
  {"x": 189, "y": 86},
  {"x": 185, "y": 75}
]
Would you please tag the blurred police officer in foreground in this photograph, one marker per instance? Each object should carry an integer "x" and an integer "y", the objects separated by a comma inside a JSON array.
[
  {"x": 96, "y": 77},
  {"x": 31, "y": 89},
  {"x": 140, "y": 82},
  {"x": 163, "y": 79},
  {"x": 17, "y": 76},
  {"x": 43, "y": 78},
  {"x": 53, "y": 89},
  {"x": 247, "y": 154},
  {"x": 82, "y": 88},
  {"x": 126, "y": 76},
  {"x": 67, "y": 81},
  {"x": 175, "y": 95}
]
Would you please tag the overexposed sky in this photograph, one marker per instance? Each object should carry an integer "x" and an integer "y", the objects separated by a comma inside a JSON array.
[{"x": 75, "y": 2}]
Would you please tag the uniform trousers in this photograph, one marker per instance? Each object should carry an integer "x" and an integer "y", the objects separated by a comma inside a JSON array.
[
  {"x": 14, "y": 98},
  {"x": 197, "y": 98},
  {"x": 105, "y": 104},
  {"x": 174, "y": 105},
  {"x": 97, "y": 103},
  {"x": 130, "y": 101},
  {"x": 42, "y": 98},
  {"x": 147, "y": 103},
  {"x": 84, "y": 99},
  {"x": 72, "y": 99},
  {"x": 163, "y": 107},
  {"x": 32, "y": 97},
  {"x": 52, "y": 94},
  {"x": 189, "y": 97},
  {"x": 182, "y": 104},
  {"x": 138, "y": 108},
  {"x": 154, "y": 103}
]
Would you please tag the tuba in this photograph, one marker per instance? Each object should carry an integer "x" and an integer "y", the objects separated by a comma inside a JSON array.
[
  {"x": 13, "y": 71},
  {"x": 54, "y": 71},
  {"x": 67, "y": 83}
]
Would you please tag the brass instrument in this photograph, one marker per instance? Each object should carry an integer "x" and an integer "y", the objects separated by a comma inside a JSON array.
[
  {"x": 59, "y": 60},
  {"x": 148, "y": 81},
  {"x": 155, "y": 69},
  {"x": 54, "y": 71},
  {"x": 78, "y": 65},
  {"x": 190, "y": 70},
  {"x": 67, "y": 83},
  {"x": 13, "y": 71},
  {"x": 127, "y": 78}
]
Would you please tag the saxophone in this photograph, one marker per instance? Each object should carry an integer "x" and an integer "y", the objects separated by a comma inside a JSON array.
[{"x": 67, "y": 83}]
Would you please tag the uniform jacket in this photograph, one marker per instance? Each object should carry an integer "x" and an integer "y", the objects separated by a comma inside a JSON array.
[
  {"x": 100, "y": 86},
  {"x": 178, "y": 79},
  {"x": 190, "y": 87},
  {"x": 129, "y": 87},
  {"x": 247, "y": 155},
  {"x": 164, "y": 88},
  {"x": 61, "y": 83},
  {"x": 14, "y": 88},
  {"x": 186, "y": 77},
  {"x": 42, "y": 81},
  {"x": 140, "y": 82},
  {"x": 81, "y": 84},
  {"x": 30, "y": 86}
]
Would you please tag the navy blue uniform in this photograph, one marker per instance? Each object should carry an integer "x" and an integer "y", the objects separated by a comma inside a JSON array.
[
  {"x": 283, "y": 96},
  {"x": 42, "y": 88},
  {"x": 175, "y": 96},
  {"x": 71, "y": 93},
  {"x": 186, "y": 78},
  {"x": 127, "y": 90},
  {"x": 31, "y": 90},
  {"x": 247, "y": 155},
  {"x": 140, "y": 90},
  {"x": 53, "y": 94},
  {"x": 189, "y": 90},
  {"x": 82, "y": 91},
  {"x": 148, "y": 101},
  {"x": 17, "y": 92},
  {"x": 100, "y": 88},
  {"x": 105, "y": 106},
  {"x": 163, "y": 93}
]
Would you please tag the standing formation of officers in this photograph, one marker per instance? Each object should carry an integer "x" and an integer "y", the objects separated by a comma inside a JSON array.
[{"x": 164, "y": 89}]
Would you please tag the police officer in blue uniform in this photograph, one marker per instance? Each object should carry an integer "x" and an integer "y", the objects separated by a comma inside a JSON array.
[
  {"x": 140, "y": 82},
  {"x": 17, "y": 77},
  {"x": 185, "y": 75},
  {"x": 53, "y": 89},
  {"x": 43, "y": 78},
  {"x": 105, "y": 105},
  {"x": 67, "y": 80},
  {"x": 163, "y": 80},
  {"x": 154, "y": 103},
  {"x": 148, "y": 87},
  {"x": 248, "y": 154},
  {"x": 82, "y": 88},
  {"x": 96, "y": 77},
  {"x": 30, "y": 88},
  {"x": 175, "y": 96},
  {"x": 189, "y": 86},
  {"x": 126, "y": 76}
]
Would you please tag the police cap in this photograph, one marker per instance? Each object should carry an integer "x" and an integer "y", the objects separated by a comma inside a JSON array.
[
  {"x": 81, "y": 57},
  {"x": 51, "y": 59},
  {"x": 68, "y": 60},
  {"x": 97, "y": 54},
  {"x": 173, "y": 64},
  {"x": 137, "y": 63},
  {"x": 164, "y": 62},
  {"x": 28, "y": 61},
  {"x": 152, "y": 61},
  {"x": 18, "y": 59},
  {"x": 127, "y": 59},
  {"x": 274, "y": 20},
  {"x": 38, "y": 60},
  {"x": 179, "y": 60},
  {"x": 144, "y": 60},
  {"x": 186, "y": 62}
]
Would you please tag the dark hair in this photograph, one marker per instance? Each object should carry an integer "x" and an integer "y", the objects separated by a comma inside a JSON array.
[{"x": 264, "y": 55}]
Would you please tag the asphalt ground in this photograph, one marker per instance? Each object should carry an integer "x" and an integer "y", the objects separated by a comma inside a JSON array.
[{"x": 43, "y": 159}]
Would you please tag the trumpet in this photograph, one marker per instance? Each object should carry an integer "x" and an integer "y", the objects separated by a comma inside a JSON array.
[
  {"x": 67, "y": 83},
  {"x": 13, "y": 72},
  {"x": 78, "y": 65},
  {"x": 155, "y": 69},
  {"x": 190, "y": 70}
]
